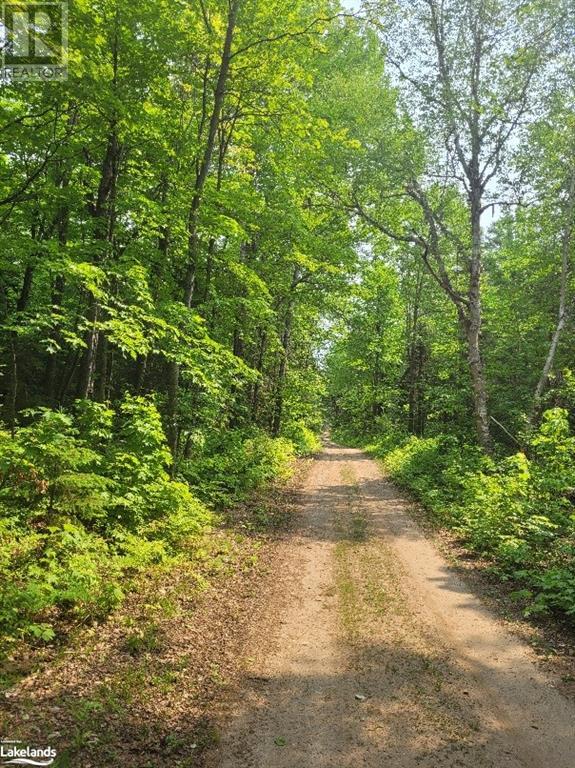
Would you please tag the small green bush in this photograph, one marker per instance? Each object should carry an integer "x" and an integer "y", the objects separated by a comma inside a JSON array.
[
  {"x": 305, "y": 441},
  {"x": 228, "y": 470},
  {"x": 175, "y": 515},
  {"x": 64, "y": 569}
]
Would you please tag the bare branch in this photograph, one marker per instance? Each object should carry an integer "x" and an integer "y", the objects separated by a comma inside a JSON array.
[{"x": 294, "y": 33}]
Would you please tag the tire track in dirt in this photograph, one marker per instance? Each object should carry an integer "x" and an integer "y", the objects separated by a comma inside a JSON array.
[{"x": 383, "y": 656}]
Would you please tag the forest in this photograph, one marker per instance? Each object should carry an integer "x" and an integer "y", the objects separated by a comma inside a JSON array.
[{"x": 236, "y": 224}]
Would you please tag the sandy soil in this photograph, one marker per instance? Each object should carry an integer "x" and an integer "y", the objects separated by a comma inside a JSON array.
[{"x": 381, "y": 656}]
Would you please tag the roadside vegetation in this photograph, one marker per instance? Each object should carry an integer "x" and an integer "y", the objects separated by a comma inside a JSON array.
[
  {"x": 88, "y": 503},
  {"x": 516, "y": 510}
]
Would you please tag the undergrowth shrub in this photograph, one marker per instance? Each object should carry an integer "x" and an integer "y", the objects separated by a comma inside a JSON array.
[
  {"x": 435, "y": 469},
  {"x": 64, "y": 568},
  {"x": 518, "y": 510},
  {"x": 305, "y": 441},
  {"x": 85, "y": 498},
  {"x": 233, "y": 465}
]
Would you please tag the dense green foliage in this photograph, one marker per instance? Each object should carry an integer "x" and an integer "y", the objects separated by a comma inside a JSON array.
[
  {"x": 85, "y": 497},
  {"x": 235, "y": 217},
  {"x": 86, "y": 501},
  {"x": 518, "y": 511}
]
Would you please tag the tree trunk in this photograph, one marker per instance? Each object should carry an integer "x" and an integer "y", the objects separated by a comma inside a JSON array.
[
  {"x": 103, "y": 214},
  {"x": 562, "y": 311},
  {"x": 258, "y": 367},
  {"x": 61, "y": 225},
  {"x": 11, "y": 405},
  {"x": 101, "y": 390},
  {"x": 172, "y": 407},
  {"x": 376, "y": 407},
  {"x": 85, "y": 385},
  {"x": 140, "y": 373},
  {"x": 478, "y": 383},
  {"x": 206, "y": 161},
  {"x": 193, "y": 216},
  {"x": 279, "y": 397},
  {"x": 416, "y": 354}
]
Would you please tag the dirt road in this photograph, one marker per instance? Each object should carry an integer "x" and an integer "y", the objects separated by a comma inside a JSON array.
[{"x": 382, "y": 656}]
